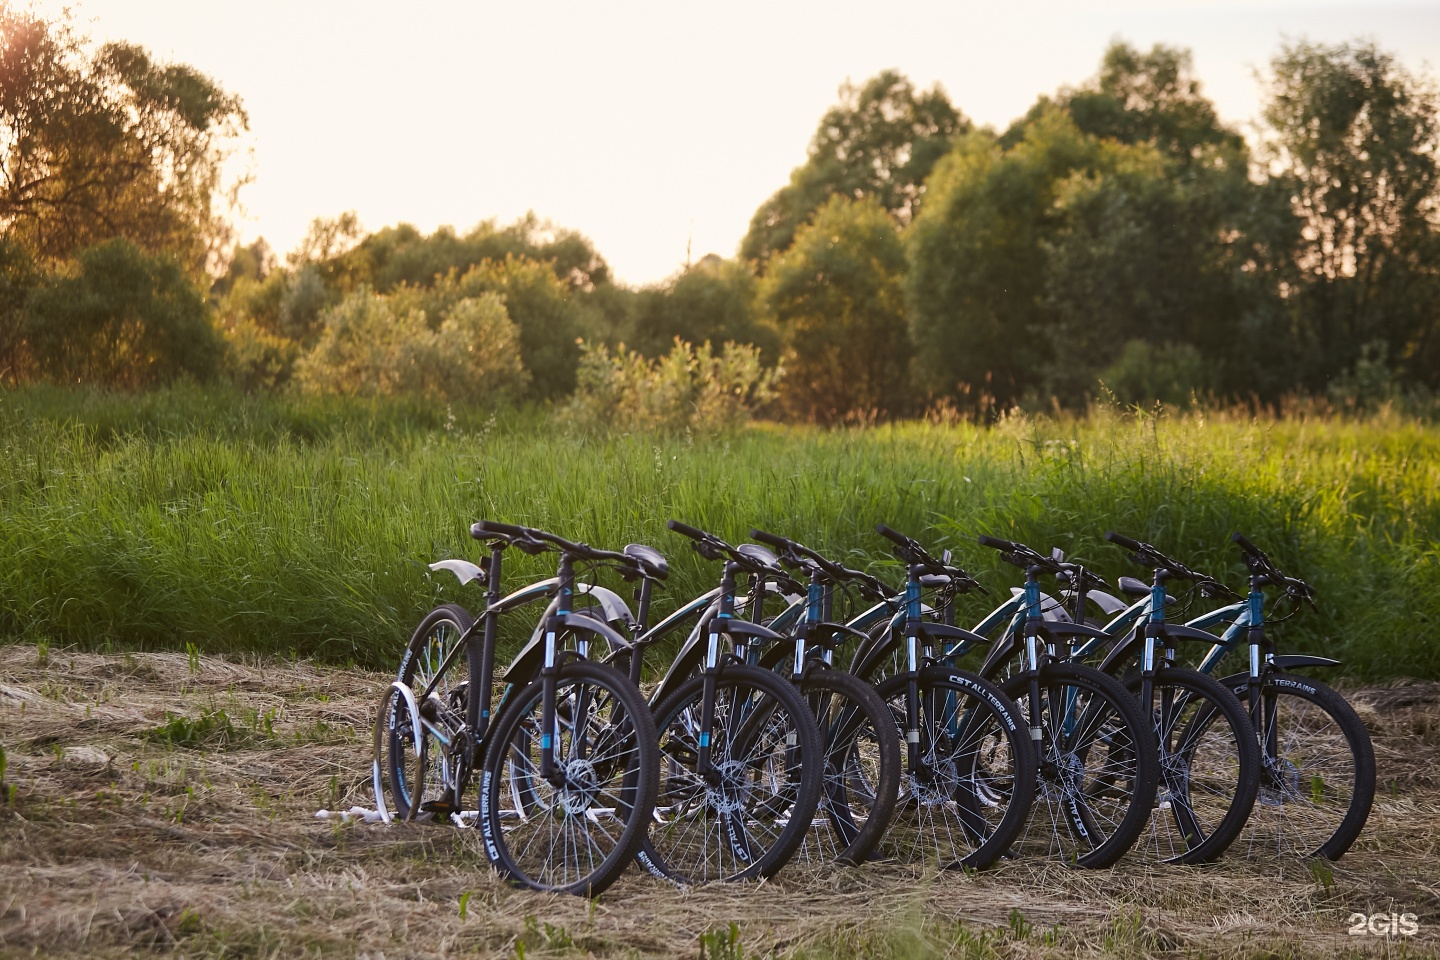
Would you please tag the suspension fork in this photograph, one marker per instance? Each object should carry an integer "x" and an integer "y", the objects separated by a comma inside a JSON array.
[
  {"x": 711, "y": 672},
  {"x": 550, "y": 670}
]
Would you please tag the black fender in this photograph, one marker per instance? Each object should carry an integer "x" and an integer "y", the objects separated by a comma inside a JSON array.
[
  {"x": 748, "y": 629},
  {"x": 528, "y": 662},
  {"x": 1005, "y": 648},
  {"x": 1065, "y": 628},
  {"x": 943, "y": 631},
  {"x": 1125, "y": 652},
  {"x": 828, "y": 634},
  {"x": 1177, "y": 631},
  {"x": 1285, "y": 661},
  {"x": 878, "y": 643}
]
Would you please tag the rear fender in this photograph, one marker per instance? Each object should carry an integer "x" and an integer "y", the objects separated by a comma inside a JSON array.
[{"x": 403, "y": 691}]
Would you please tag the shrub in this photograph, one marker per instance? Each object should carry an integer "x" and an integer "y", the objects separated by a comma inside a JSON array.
[
  {"x": 688, "y": 388},
  {"x": 371, "y": 347}
]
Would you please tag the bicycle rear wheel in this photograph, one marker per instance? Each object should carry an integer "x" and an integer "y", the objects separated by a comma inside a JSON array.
[
  {"x": 578, "y": 831},
  {"x": 1318, "y": 770},
  {"x": 749, "y": 815},
  {"x": 969, "y": 799},
  {"x": 422, "y": 776},
  {"x": 1098, "y": 766}
]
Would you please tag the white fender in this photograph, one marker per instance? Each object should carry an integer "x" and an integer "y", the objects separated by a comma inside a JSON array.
[
  {"x": 1109, "y": 603},
  {"x": 464, "y": 570},
  {"x": 376, "y": 777},
  {"x": 1050, "y": 608}
]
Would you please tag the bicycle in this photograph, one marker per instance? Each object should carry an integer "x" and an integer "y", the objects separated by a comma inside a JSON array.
[
  {"x": 1097, "y": 767},
  {"x": 742, "y": 754},
  {"x": 861, "y": 740},
  {"x": 568, "y": 766}
]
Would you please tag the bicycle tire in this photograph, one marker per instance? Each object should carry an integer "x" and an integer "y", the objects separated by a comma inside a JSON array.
[
  {"x": 969, "y": 804},
  {"x": 1309, "y": 718},
  {"x": 1091, "y": 805},
  {"x": 548, "y": 836},
  {"x": 766, "y": 753},
  {"x": 862, "y": 768},
  {"x": 1209, "y": 767},
  {"x": 418, "y": 774}
]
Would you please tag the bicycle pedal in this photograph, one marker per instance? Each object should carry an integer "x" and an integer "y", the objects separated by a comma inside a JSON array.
[{"x": 440, "y": 809}]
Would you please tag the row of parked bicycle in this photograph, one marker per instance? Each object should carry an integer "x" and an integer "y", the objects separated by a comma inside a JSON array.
[{"x": 779, "y": 731}]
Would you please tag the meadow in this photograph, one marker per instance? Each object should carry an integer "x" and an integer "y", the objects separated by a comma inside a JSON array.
[{"x": 205, "y": 520}]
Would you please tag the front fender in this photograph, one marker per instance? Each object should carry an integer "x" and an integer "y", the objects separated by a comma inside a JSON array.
[{"x": 1285, "y": 661}]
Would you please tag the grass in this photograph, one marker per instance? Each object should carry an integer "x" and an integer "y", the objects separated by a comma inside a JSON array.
[{"x": 212, "y": 522}]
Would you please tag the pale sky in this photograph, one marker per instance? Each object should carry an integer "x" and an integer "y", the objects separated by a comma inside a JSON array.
[{"x": 649, "y": 125}]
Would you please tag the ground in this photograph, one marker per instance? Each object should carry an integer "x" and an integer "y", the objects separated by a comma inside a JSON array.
[{"x": 166, "y": 803}]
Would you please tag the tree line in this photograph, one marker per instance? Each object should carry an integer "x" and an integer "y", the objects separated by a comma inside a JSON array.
[{"x": 1118, "y": 241}]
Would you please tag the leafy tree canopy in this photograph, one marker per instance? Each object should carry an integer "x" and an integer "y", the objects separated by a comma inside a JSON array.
[
  {"x": 110, "y": 143},
  {"x": 880, "y": 141}
]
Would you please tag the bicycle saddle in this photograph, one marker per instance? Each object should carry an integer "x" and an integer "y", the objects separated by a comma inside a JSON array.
[{"x": 649, "y": 559}]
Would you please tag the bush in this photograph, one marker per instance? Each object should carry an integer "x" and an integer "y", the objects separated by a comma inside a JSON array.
[
  {"x": 121, "y": 318},
  {"x": 688, "y": 388},
  {"x": 371, "y": 347}
]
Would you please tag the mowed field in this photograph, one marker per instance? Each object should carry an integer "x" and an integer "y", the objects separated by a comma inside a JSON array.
[{"x": 164, "y": 803}]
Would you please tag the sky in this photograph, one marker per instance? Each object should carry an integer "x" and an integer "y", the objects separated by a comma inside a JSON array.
[{"x": 654, "y": 128}]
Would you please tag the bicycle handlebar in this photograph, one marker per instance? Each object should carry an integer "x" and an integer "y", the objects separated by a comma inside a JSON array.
[
  {"x": 520, "y": 536},
  {"x": 1124, "y": 541},
  {"x": 995, "y": 543},
  {"x": 1261, "y": 563},
  {"x": 685, "y": 530},
  {"x": 870, "y": 586}
]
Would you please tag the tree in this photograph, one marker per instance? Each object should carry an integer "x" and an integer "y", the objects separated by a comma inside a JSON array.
[
  {"x": 712, "y": 301},
  {"x": 977, "y": 260},
  {"x": 121, "y": 318},
  {"x": 1140, "y": 97},
  {"x": 880, "y": 141},
  {"x": 108, "y": 145},
  {"x": 1354, "y": 141},
  {"x": 837, "y": 297}
]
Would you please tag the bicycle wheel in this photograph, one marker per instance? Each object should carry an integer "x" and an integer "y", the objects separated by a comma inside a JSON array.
[
  {"x": 420, "y": 772},
  {"x": 749, "y": 815},
  {"x": 1317, "y": 778},
  {"x": 969, "y": 799},
  {"x": 862, "y": 768},
  {"x": 1209, "y": 767},
  {"x": 1097, "y": 766},
  {"x": 577, "y": 831}
]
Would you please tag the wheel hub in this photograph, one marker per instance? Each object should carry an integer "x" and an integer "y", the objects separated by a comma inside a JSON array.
[
  {"x": 577, "y": 794},
  {"x": 938, "y": 788},
  {"x": 1280, "y": 783},
  {"x": 730, "y": 788}
]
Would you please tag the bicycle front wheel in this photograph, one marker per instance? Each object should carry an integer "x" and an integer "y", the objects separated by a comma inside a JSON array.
[
  {"x": 968, "y": 798},
  {"x": 1209, "y": 767},
  {"x": 1317, "y": 780},
  {"x": 862, "y": 767},
  {"x": 577, "y": 830},
  {"x": 746, "y": 816},
  {"x": 1097, "y": 766}
]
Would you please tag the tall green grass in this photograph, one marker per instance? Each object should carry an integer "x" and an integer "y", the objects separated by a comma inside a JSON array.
[{"x": 285, "y": 526}]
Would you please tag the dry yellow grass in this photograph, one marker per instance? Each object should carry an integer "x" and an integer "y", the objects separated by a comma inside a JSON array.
[{"x": 119, "y": 841}]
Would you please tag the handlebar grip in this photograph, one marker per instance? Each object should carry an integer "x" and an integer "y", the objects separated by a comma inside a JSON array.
[
  {"x": 995, "y": 543},
  {"x": 684, "y": 529},
  {"x": 1124, "y": 541},
  {"x": 486, "y": 529},
  {"x": 769, "y": 539},
  {"x": 893, "y": 536},
  {"x": 1244, "y": 543}
]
